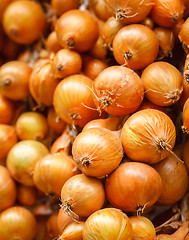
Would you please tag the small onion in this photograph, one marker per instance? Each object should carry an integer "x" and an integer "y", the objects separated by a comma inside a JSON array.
[
  {"x": 99, "y": 8},
  {"x": 60, "y": 7},
  {"x": 163, "y": 83},
  {"x": 52, "y": 171},
  {"x": 118, "y": 90},
  {"x": 166, "y": 13},
  {"x": 108, "y": 223},
  {"x": 77, "y": 30},
  {"x": 31, "y": 125},
  {"x": 22, "y": 158},
  {"x": 52, "y": 43},
  {"x": 17, "y": 223},
  {"x": 81, "y": 196},
  {"x": 97, "y": 152},
  {"x": 145, "y": 138},
  {"x": 7, "y": 189},
  {"x": 166, "y": 41},
  {"x": 185, "y": 126},
  {"x": 24, "y": 21},
  {"x": 8, "y": 139},
  {"x": 14, "y": 80},
  {"x": 133, "y": 187},
  {"x": 143, "y": 228},
  {"x": 74, "y": 231},
  {"x": 63, "y": 220},
  {"x": 148, "y": 22},
  {"x": 6, "y": 110},
  {"x": 175, "y": 180},
  {"x": 27, "y": 195},
  {"x": 73, "y": 100},
  {"x": 66, "y": 62},
  {"x": 135, "y": 46},
  {"x": 52, "y": 226},
  {"x": 130, "y": 11},
  {"x": 55, "y": 122}
]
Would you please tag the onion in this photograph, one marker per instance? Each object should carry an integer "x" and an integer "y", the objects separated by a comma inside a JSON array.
[
  {"x": 22, "y": 158},
  {"x": 63, "y": 220},
  {"x": 163, "y": 83},
  {"x": 74, "y": 231},
  {"x": 166, "y": 13},
  {"x": 99, "y": 8},
  {"x": 146, "y": 104},
  {"x": 65, "y": 63},
  {"x": 6, "y": 110},
  {"x": 81, "y": 196},
  {"x": 130, "y": 11},
  {"x": 112, "y": 123},
  {"x": 73, "y": 100},
  {"x": 145, "y": 138},
  {"x": 97, "y": 152},
  {"x": 175, "y": 180},
  {"x": 108, "y": 223},
  {"x": 109, "y": 30},
  {"x": 17, "y": 223},
  {"x": 52, "y": 43},
  {"x": 31, "y": 125},
  {"x": 185, "y": 126},
  {"x": 118, "y": 90},
  {"x": 166, "y": 41},
  {"x": 52, "y": 226},
  {"x": 143, "y": 228},
  {"x": 133, "y": 187},
  {"x": 8, "y": 139},
  {"x": 42, "y": 83},
  {"x": 24, "y": 21},
  {"x": 93, "y": 67},
  {"x": 55, "y": 122},
  {"x": 59, "y": 7},
  {"x": 7, "y": 189},
  {"x": 184, "y": 36},
  {"x": 77, "y": 30},
  {"x": 27, "y": 195},
  {"x": 186, "y": 154},
  {"x": 135, "y": 46},
  {"x": 14, "y": 80},
  {"x": 52, "y": 171},
  {"x": 148, "y": 22}
]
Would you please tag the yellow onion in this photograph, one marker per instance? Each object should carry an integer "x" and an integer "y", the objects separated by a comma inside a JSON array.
[
  {"x": 81, "y": 196},
  {"x": 135, "y": 46},
  {"x": 22, "y": 158},
  {"x": 7, "y": 189},
  {"x": 175, "y": 180},
  {"x": 97, "y": 152},
  {"x": 145, "y": 138},
  {"x": 63, "y": 220},
  {"x": 163, "y": 83},
  {"x": 52, "y": 171},
  {"x": 73, "y": 100},
  {"x": 166, "y": 13},
  {"x": 27, "y": 195},
  {"x": 129, "y": 11},
  {"x": 143, "y": 228},
  {"x": 17, "y": 223},
  {"x": 108, "y": 223},
  {"x": 31, "y": 125},
  {"x": 6, "y": 110},
  {"x": 184, "y": 35},
  {"x": 166, "y": 41},
  {"x": 52, "y": 225},
  {"x": 73, "y": 231}
]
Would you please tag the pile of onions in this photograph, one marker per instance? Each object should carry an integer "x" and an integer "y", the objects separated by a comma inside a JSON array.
[
  {"x": 118, "y": 90},
  {"x": 108, "y": 223},
  {"x": 81, "y": 196},
  {"x": 97, "y": 152},
  {"x": 145, "y": 138},
  {"x": 133, "y": 187}
]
